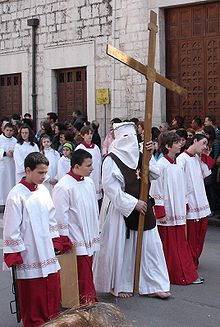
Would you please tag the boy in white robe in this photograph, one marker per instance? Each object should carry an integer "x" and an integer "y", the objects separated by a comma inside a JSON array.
[
  {"x": 29, "y": 228},
  {"x": 87, "y": 134},
  {"x": 169, "y": 193},
  {"x": 7, "y": 164},
  {"x": 196, "y": 165},
  {"x": 76, "y": 206},
  {"x": 114, "y": 264}
]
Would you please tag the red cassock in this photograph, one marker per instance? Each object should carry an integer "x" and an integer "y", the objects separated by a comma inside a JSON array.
[
  {"x": 178, "y": 256},
  {"x": 39, "y": 299},
  {"x": 87, "y": 293},
  {"x": 196, "y": 231}
]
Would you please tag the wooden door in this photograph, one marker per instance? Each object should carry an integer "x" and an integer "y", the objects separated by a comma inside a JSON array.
[
  {"x": 10, "y": 95},
  {"x": 193, "y": 60},
  {"x": 72, "y": 92}
]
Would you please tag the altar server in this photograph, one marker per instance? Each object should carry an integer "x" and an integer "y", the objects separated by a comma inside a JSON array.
[
  {"x": 29, "y": 226},
  {"x": 76, "y": 206},
  {"x": 7, "y": 164}
]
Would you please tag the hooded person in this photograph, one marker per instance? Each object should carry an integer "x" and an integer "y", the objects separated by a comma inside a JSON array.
[{"x": 114, "y": 264}]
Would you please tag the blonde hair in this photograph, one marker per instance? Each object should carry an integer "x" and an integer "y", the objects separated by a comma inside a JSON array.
[{"x": 94, "y": 315}]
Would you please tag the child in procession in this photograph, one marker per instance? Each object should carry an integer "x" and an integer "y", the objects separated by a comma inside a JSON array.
[
  {"x": 25, "y": 145},
  {"x": 63, "y": 166},
  {"x": 76, "y": 206},
  {"x": 87, "y": 134},
  {"x": 29, "y": 229},
  {"x": 169, "y": 193},
  {"x": 7, "y": 164},
  {"x": 53, "y": 157},
  {"x": 197, "y": 165}
]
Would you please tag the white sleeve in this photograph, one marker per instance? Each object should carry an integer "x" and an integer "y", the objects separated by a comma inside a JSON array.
[
  {"x": 154, "y": 171},
  {"x": 53, "y": 226},
  {"x": 18, "y": 158},
  {"x": 113, "y": 184},
  {"x": 12, "y": 221},
  {"x": 204, "y": 168},
  {"x": 1, "y": 153},
  {"x": 99, "y": 164},
  {"x": 60, "y": 169},
  {"x": 157, "y": 188},
  {"x": 61, "y": 203},
  {"x": 36, "y": 148}
]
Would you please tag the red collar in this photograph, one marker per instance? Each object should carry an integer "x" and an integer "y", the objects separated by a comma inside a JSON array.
[
  {"x": 189, "y": 154},
  {"x": 88, "y": 146},
  {"x": 31, "y": 187},
  {"x": 76, "y": 177},
  {"x": 172, "y": 161}
]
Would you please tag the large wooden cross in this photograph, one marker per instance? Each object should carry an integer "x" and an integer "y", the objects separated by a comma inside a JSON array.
[{"x": 152, "y": 76}]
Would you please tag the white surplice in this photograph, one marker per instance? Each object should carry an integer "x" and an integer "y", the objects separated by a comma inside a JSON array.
[
  {"x": 113, "y": 267},
  {"x": 29, "y": 225},
  {"x": 169, "y": 191},
  {"x": 7, "y": 167},
  {"x": 53, "y": 157},
  {"x": 77, "y": 213},
  {"x": 63, "y": 167},
  {"x": 97, "y": 163},
  {"x": 195, "y": 171},
  {"x": 20, "y": 153}
]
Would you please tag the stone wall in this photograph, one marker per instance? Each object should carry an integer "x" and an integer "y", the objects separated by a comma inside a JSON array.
[
  {"x": 61, "y": 24},
  {"x": 77, "y": 27}
]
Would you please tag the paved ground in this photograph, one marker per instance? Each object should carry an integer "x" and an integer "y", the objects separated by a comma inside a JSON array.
[{"x": 190, "y": 306}]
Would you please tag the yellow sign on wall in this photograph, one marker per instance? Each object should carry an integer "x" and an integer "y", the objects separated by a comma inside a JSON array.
[{"x": 102, "y": 96}]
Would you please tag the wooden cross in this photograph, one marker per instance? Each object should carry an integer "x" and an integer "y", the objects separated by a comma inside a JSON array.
[{"x": 152, "y": 76}]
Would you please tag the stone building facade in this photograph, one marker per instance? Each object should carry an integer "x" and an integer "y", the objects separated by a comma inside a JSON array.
[{"x": 74, "y": 33}]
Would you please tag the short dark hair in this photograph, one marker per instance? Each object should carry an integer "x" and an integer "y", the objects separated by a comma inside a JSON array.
[
  {"x": 155, "y": 132},
  {"x": 27, "y": 115},
  {"x": 198, "y": 137},
  {"x": 95, "y": 125},
  {"x": 16, "y": 116},
  {"x": 79, "y": 156},
  {"x": 9, "y": 125},
  {"x": 211, "y": 118},
  {"x": 78, "y": 125},
  {"x": 28, "y": 122},
  {"x": 35, "y": 158},
  {"x": 53, "y": 116},
  {"x": 134, "y": 120},
  {"x": 116, "y": 120},
  {"x": 198, "y": 121},
  {"x": 182, "y": 133},
  {"x": 78, "y": 112},
  {"x": 167, "y": 138},
  {"x": 61, "y": 127},
  {"x": 69, "y": 136}
]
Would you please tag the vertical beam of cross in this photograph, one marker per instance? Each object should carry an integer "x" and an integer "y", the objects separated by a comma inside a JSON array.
[
  {"x": 147, "y": 136},
  {"x": 152, "y": 76}
]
